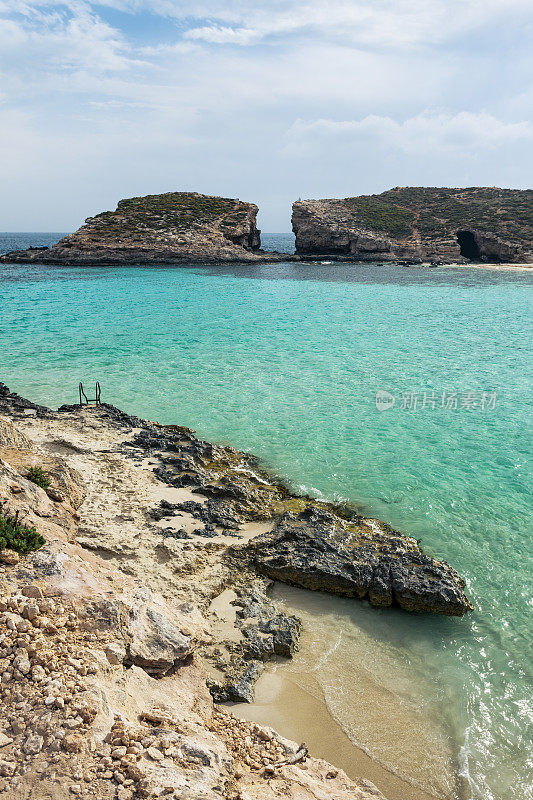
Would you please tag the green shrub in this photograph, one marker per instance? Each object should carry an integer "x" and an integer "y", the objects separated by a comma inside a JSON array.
[
  {"x": 38, "y": 476},
  {"x": 15, "y": 535}
]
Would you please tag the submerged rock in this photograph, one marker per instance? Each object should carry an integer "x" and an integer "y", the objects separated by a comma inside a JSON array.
[{"x": 354, "y": 561}]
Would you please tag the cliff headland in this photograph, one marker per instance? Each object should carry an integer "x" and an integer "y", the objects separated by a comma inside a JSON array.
[
  {"x": 146, "y": 603},
  {"x": 418, "y": 224},
  {"x": 171, "y": 228}
]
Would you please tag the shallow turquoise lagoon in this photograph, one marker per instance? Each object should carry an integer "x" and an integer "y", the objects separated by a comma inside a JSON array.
[{"x": 285, "y": 361}]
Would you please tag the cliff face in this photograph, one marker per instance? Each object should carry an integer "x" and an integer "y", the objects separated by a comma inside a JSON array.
[
  {"x": 419, "y": 224},
  {"x": 164, "y": 228}
]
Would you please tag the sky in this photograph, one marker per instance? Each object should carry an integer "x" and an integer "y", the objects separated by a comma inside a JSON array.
[{"x": 265, "y": 100}]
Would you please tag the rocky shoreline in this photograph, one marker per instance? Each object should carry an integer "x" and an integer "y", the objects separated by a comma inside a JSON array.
[{"x": 134, "y": 504}]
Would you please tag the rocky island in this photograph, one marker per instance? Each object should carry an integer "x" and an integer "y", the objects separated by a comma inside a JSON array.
[
  {"x": 419, "y": 225},
  {"x": 135, "y": 567},
  {"x": 170, "y": 228},
  {"x": 413, "y": 225}
]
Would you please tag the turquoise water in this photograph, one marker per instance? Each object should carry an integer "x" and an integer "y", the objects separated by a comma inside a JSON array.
[{"x": 285, "y": 361}]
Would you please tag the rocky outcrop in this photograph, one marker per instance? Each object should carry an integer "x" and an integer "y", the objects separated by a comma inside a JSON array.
[
  {"x": 207, "y": 529},
  {"x": 171, "y": 228},
  {"x": 318, "y": 551},
  {"x": 419, "y": 225}
]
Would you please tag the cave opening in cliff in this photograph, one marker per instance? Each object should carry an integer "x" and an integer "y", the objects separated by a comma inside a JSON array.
[{"x": 468, "y": 245}]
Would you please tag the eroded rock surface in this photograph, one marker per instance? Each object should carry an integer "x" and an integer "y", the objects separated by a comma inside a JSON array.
[
  {"x": 418, "y": 225},
  {"x": 102, "y": 683}
]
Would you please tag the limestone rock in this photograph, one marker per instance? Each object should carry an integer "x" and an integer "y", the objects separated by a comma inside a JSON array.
[
  {"x": 9, "y": 557},
  {"x": 157, "y": 645},
  {"x": 115, "y": 652},
  {"x": 419, "y": 224},
  {"x": 33, "y": 745},
  {"x": 171, "y": 228}
]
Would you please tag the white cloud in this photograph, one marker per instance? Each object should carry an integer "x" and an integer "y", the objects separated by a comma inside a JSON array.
[
  {"x": 208, "y": 96},
  {"x": 224, "y": 35},
  {"x": 425, "y": 133},
  {"x": 381, "y": 23}
]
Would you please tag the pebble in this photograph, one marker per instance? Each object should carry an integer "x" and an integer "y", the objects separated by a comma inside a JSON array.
[
  {"x": 154, "y": 753},
  {"x": 72, "y": 742},
  {"x": 9, "y": 557},
  {"x": 32, "y": 591},
  {"x": 33, "y": 745}
]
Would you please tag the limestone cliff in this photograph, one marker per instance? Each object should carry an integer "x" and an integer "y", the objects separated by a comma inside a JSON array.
[
  {"x": 175, "y": 227},
  {"x": 419, "y": 224}
]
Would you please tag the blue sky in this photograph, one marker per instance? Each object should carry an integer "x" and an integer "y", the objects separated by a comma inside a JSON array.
[{"x": 266, "y": 101}]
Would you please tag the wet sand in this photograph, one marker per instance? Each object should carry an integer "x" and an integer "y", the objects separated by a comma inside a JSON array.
[
  {"x": 296, "y": 714},
  {"x": 329, "y": 689}
]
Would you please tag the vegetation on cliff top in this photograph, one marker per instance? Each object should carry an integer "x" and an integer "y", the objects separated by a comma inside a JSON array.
[
  {"x": 381, "y": 215},
  {"x": 172, "y": 212},
  {"x": 441, "y": 211}
]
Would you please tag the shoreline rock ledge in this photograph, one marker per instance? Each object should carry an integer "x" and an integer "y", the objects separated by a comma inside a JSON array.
[{"x": 170, "y": 228}]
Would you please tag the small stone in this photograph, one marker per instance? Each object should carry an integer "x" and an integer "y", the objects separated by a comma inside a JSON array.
[
  {"x": 7, "y": 768},
  {"x": 30, "y": 611},
  {"x": 32, "y": 591},
  {"x": 49, "y": 627},
  {"x": 115, "y": 652},
  {"x": 4, "y": 740},
  {"x": 18, "y": 726},
  {"x": 154, "y": 753},
  {"x": 118, "y": 752},
  {"x": 9, "y": 557},
  {"x": 55, "y": 494},
  {"x": 75, "y": 788},
  {"x": 73, "y": 742},
  {"x": 38, "y": 674},
  {"x": 22, "y": 664},
  {"x": 33, "y": 745}
]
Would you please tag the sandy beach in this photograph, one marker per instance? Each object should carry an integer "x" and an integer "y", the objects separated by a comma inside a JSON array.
[{"x": 412, "y": 756}]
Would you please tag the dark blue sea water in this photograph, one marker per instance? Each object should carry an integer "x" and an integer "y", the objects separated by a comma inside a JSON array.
[{"x": 285, "y": 360}]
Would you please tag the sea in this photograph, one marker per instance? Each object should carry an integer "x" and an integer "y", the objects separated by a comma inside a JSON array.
[{"x": 404, "y": 390}]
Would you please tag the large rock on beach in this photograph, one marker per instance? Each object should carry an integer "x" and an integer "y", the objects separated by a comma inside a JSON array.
[{"x": 359, "y": 560}]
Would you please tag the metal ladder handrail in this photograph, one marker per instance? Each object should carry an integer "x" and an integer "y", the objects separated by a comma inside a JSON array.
[{"x": 95, "y": 400}]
